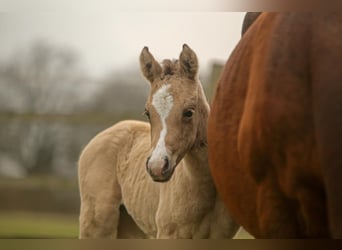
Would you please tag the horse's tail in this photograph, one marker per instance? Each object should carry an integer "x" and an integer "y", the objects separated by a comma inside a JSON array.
[{"x": 326, "y": 78}]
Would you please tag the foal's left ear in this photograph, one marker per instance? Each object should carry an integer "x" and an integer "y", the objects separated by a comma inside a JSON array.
[
  {"x": 188, "y": 62},
  {"x": 150, "y": 68}
]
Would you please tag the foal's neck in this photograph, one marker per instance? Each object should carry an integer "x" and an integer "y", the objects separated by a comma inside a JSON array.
[{"x": 197, "y": 165}]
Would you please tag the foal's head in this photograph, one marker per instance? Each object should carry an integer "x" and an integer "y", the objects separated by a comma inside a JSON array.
[{"x": 176, "y": 108}]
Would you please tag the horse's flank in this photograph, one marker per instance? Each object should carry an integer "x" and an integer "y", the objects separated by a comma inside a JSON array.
[{"x": 275, "y": 127}]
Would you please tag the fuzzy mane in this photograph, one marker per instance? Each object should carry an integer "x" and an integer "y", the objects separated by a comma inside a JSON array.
[{"x": 170, "y": 67}]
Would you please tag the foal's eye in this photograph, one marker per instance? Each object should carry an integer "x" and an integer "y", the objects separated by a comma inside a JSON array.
[{"x": 188, "y": 113}]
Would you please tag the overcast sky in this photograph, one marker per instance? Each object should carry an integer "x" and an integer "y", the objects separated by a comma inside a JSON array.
[{"x": 110, "y": 37}]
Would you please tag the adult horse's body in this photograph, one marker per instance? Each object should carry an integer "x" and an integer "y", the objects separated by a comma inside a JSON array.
[
  {"x": 112, "y": 167},
  {"x": 275, "y": 128}
]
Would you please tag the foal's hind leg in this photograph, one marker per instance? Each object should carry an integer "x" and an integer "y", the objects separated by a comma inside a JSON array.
[
  {"x": 99, "y": 218},
  {"x": 100, "y": 199}
]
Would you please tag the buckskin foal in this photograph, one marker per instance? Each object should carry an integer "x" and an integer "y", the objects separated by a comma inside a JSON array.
[{"x": 159, "y": 171}]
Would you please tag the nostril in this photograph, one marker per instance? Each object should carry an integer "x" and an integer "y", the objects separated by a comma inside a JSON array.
[
  {"x": 148, "y": 159},
  {"x": 166, "y": 165}
]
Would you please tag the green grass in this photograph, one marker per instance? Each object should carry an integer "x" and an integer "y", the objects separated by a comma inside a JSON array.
[
  {"x": 242, "y": 234},
  {"x": 31, "y": 225},
  {"x": 43, "y": 225}
]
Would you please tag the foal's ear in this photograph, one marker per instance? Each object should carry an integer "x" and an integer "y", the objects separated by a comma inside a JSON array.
[
  {"x": 150, "y": 68},
  {"x": 188, "y": 62}
]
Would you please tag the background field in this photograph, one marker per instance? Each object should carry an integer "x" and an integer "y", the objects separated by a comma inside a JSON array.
[
  {"x": 38, "y": 207},
  {"x": 34, "y": 225},
  {"x": 48, "y": 207},
  {"x": 66, "y": 76}
]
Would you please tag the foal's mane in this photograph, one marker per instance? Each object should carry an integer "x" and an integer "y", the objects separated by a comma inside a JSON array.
[{"x": 170, "y": 67}]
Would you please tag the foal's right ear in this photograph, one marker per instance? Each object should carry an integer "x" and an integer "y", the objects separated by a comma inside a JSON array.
[
  {"x": 188, "y": 62},
  {"x": 150, "y": 68}
]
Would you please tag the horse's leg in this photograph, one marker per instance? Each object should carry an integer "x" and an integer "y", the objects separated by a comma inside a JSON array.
[
  {"x": 171, "y": 230},
  {"x": 100, "y": 199},
  {"x": 169, "y": 227},
  {"x": 313, "y": 211},
  {"x": 276, "y": 215},
  {"x": 329, "y": 134},
  {"x": 166, "y": 229},
  {"x": 327, "y": 108},
  {"x": 99, "y": 218},
  {"x": 222, "y": 224}
]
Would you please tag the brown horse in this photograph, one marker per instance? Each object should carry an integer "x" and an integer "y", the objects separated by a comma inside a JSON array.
[
  {"x": 112, "y": 167},
  {"x": 275, "y": 128}
]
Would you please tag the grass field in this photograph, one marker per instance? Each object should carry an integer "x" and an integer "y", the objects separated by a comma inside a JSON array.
[
  {"x": 42, "y": 225},
  {"x": 242, "y": 234},
  {"x": 16, "y": 225},
  {"x": 53, "y": 206}
]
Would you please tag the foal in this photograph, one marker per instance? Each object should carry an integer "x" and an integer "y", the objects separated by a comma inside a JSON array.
[{"x": 164, "y": 202}]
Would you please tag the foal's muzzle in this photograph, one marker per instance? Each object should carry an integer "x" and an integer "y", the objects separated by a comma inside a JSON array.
[{"x": 159, "y": 169}]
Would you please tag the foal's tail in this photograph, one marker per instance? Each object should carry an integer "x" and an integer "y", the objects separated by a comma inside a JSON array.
[{"x": 326, "y": 65}]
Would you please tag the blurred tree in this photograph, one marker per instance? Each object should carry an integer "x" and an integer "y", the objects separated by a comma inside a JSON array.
[
  {"x": 123, "y": 94},
  {"x": 41, "y": 80}
]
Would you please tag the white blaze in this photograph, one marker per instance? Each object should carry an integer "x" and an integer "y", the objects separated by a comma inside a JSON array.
[{"x": 162, "y": 101}]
